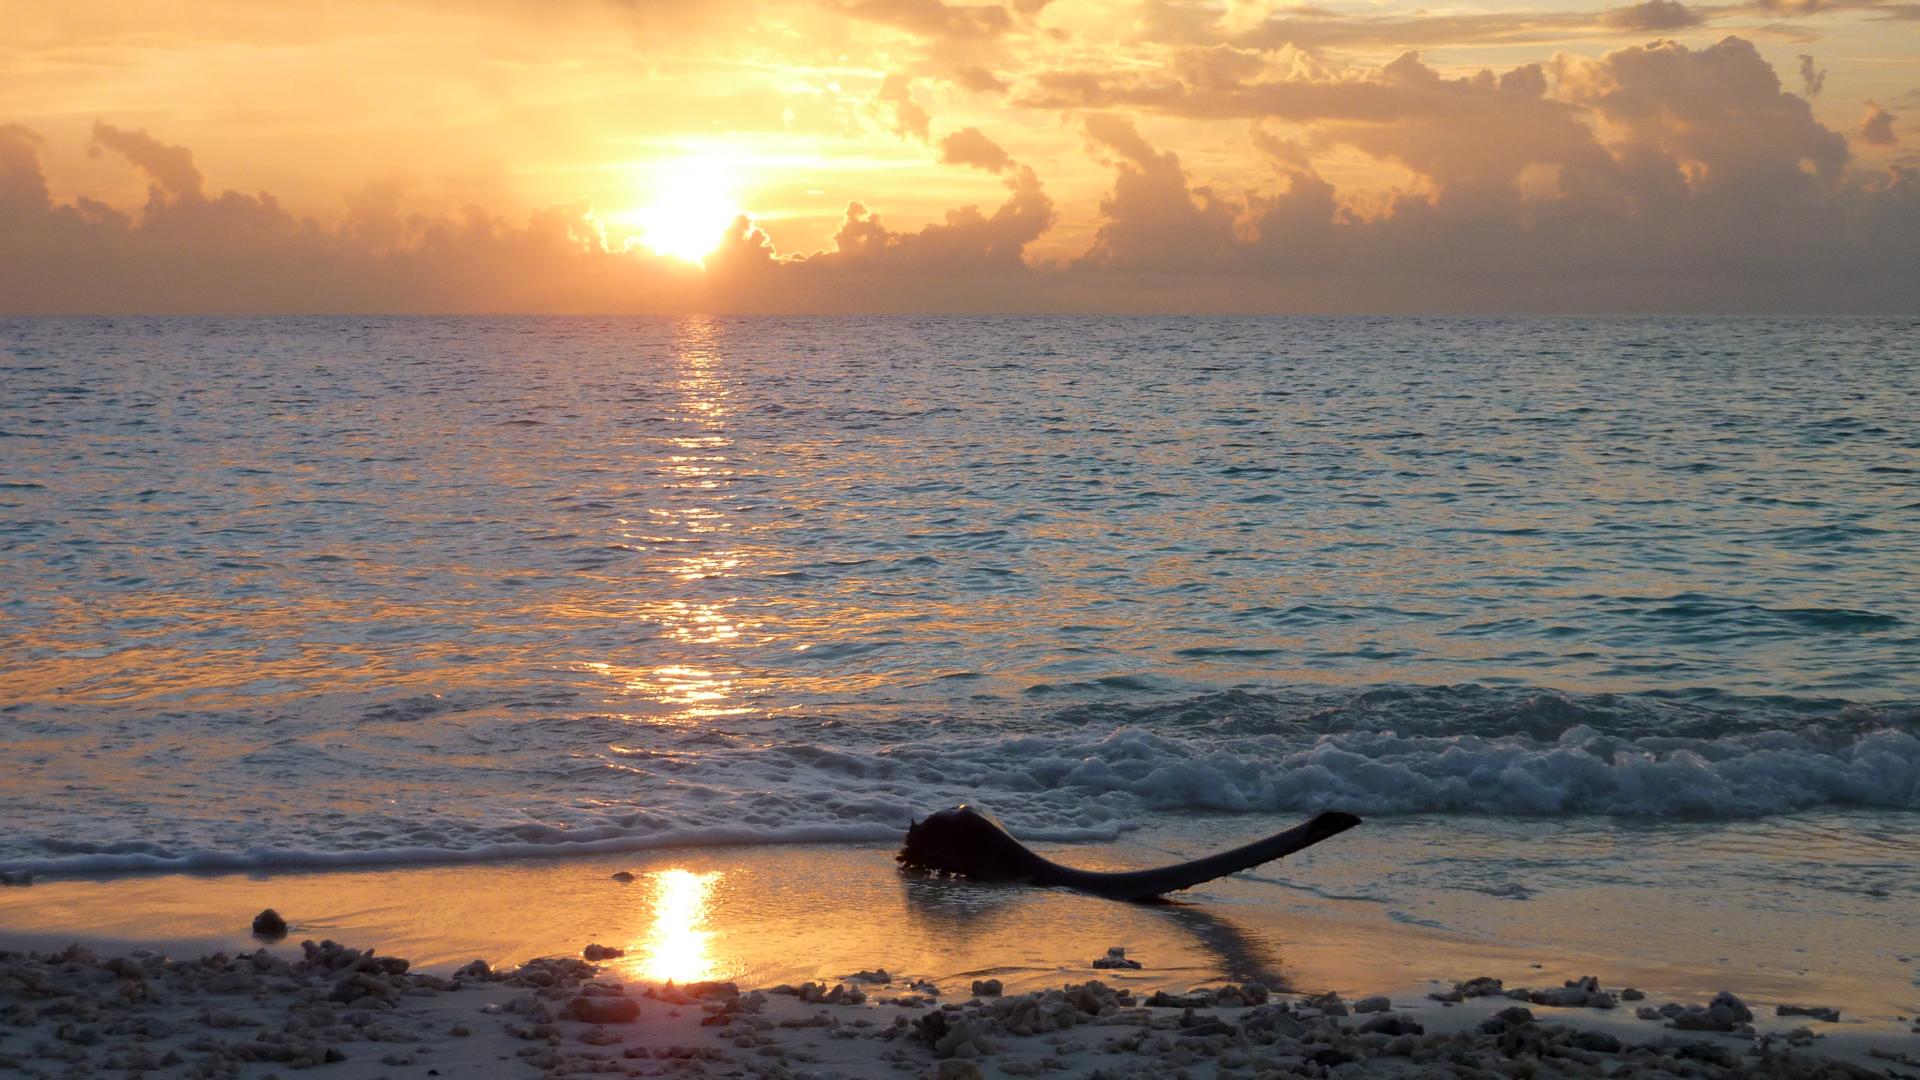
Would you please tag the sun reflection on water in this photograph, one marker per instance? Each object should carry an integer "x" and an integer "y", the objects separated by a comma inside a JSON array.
[
  {"x": 677, "y": 947},
  {"x": 687, "y": 598}
]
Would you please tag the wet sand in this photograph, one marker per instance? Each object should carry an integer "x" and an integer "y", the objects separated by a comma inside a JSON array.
[{"x": 765, "y": 917}]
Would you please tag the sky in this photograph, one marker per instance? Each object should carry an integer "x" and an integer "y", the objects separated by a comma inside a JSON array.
[{"x": 661, "y": 156}]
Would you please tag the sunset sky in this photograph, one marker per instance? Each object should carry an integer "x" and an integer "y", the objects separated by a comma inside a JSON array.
[{"x": 1162, "y": 155}]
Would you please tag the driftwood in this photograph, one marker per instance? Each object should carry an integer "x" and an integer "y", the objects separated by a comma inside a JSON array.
[{"x": 967, "y": 843}]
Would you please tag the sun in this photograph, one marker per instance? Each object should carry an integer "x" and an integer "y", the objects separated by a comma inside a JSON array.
[{"x": 694, "y": 203}]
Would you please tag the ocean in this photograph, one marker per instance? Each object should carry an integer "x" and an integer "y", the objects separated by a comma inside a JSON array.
[{"x": 314, "y": 592}]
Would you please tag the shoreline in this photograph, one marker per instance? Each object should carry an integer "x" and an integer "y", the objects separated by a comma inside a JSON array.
[
  {"x": 821, "y": 915},
  {"x": 1349, "y": 920},
  {"x": 357, "y": 1013}
]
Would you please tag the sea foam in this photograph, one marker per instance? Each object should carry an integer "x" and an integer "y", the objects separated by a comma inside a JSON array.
[{"x": 1075, "y": 774}]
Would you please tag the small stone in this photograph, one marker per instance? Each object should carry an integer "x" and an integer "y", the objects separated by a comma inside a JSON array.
[
  {"x": 268, "y": 924},
  {"x": 603, "y": 1010},
  {"x": 1391, "y": 1024},
  {"x": 1375, "y": 1004},
  {"x": 1818, "y": 1012},
  {"x": 986, "y": 988},
  {"x": 1598, "y": 1042},
  {"x": 1630, "y": 994},
  {"x": 597, "y": 953},
  {"x": 1328, "y": 1003},
  {"x": 1485, "y": 986},
  {"x": 1116, "y": 959},
  {"x": 1516, "y": 1015},
  {"x": 1724, "y": 1013},
  {"x": 624, "y": 875},
  {"x": 1725, "y": 999},
  {"x": 1576, "y": 993}
]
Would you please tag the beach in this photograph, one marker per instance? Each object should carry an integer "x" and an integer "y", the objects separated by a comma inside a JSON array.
[
  {"x": 760, "y": 919},
  {"x": 355, "y": 1013}
]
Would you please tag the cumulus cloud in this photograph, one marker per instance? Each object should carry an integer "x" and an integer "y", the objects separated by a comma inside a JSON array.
[
  {"x": 909, "y": 116},
  {"x": 1719, "y": 110},
  {"x": 1812, "y": 79},
  {"x": 1653, "y": 177},
  {"x": 969, "y": 147},
  {"x": 935, "y": 18},
  {"x": 968, "y": 241},
  {"x": 1705, "y": 116},
  {"x": 23, "y": 187},
  {"x": 170, "y": 168},
  {"x": 1876, "y": 127},
  {"x": 978, "y": 79},
  {"x": 191, "y": 251},
  {"x": 1654, "y": 15},
  {"x": 1151, "y": 218}
]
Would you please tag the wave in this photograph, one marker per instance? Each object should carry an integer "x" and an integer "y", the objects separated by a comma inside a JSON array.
[
  {"x": 140, "y": 857},
  {"x": 600, "y": 784}
]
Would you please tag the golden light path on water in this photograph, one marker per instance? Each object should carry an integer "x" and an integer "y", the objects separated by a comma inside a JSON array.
[
  {"x": 697, "y": 463},
  {"x": 702, "y": 464},
  {"x": 678, "y": 944}
]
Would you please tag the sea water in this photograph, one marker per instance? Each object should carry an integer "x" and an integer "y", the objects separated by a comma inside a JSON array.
[{"x": 1631, "y": 603}]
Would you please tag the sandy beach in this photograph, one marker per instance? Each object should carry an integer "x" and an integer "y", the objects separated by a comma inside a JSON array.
[
  {"x": 827, "y": 962},
  {"x": 355, "y": 1014}
]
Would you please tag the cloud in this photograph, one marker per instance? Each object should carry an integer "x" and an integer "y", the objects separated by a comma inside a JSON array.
[
  {"x": 1652, "y": 178},
  {"x": 909, "y": 117},
  {"x": 978, "y": 79},
  {"x": 190, "y": 251},
  {"x": 170, "y": 168},
  {"x": 935, "y": 18},
  {"x": 1314, "y": 29},
  {"x": 968, "y": 241},
  {"x": 1719, "y": 111},
  {"x": 23, "y": 187},
  {"x": 1655, "y": 177},
  {"x": 1700, "y": 116},
  {"x": 1151, "y": 218},
  {"x": 1654, "y": 15},
  {"x": 1876, "y": 127},
  {"x": 969, "y": 147},
  {"x": 1812, "y": 80}
]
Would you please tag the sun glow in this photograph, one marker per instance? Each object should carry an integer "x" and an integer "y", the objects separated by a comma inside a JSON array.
[{"x": 695, "y": 201}]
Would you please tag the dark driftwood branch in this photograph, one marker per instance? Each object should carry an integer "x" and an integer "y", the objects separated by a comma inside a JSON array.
[{"x": 968, "y": 843}]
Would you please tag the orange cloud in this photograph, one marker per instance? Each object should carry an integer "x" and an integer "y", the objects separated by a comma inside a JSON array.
[
  {"x": 935, "y": 18},
  {"x": 910, "y": 118},
  {"x": 968, "y": 147},
  {"x": 1650, "y": 177},
  {"x": 1876, "y": 126}
]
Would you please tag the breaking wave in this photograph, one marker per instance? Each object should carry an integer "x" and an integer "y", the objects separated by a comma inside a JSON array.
[{"x": 1086, "y": 772}]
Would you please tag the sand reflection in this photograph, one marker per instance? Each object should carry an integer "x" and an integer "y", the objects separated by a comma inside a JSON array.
[{"x": 678, "y": 946}]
